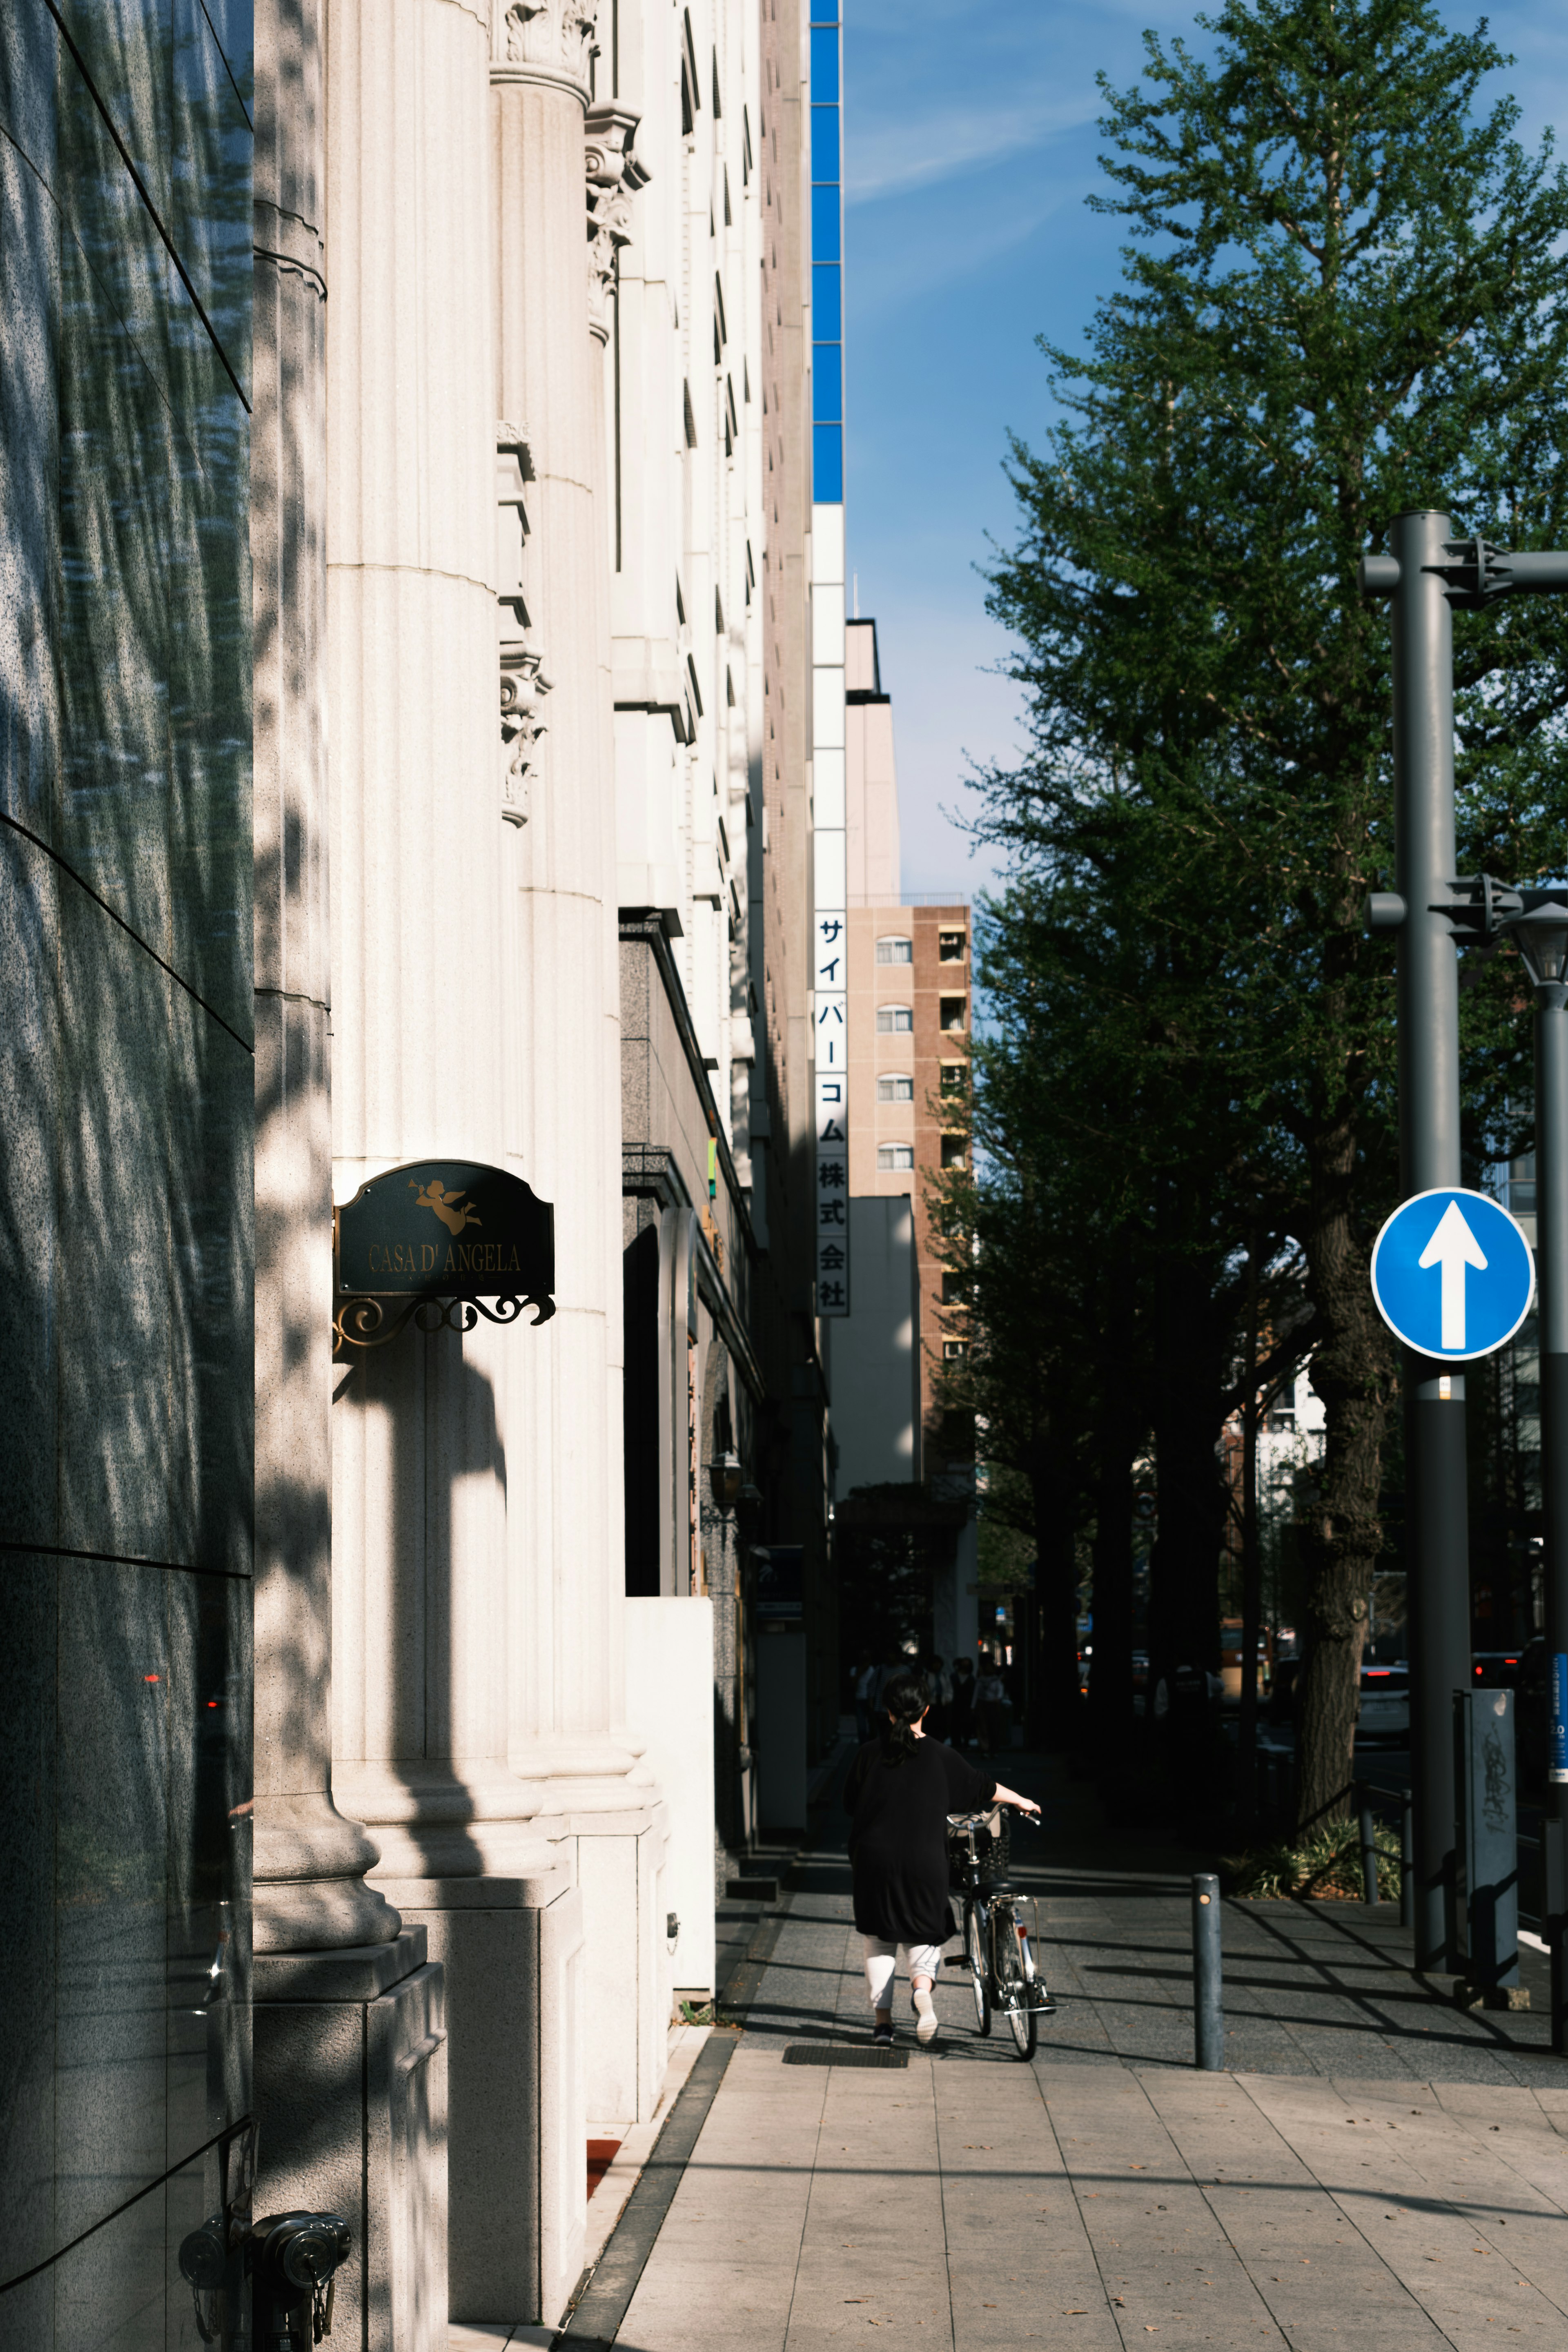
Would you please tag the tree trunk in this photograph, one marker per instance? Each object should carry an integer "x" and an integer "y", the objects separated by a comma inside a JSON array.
[
  {"x": 1056, "y": 1590},
  {"x": 1251, "y": 1564},
  {"x": 1185, "y": 1586},
  {"x": 1110, "y": 1676},
  {"x": 1353, "y": 1372}
]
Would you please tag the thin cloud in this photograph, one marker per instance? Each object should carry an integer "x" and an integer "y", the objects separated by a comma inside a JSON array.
[{"x": 889, "y": 158}]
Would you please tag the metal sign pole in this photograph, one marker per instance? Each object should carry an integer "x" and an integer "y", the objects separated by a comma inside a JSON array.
[
  {"x": 1436, "y": 1502},
  {"x": 1426, "y": 573},
  {"x": 1551, "y": 1283}
]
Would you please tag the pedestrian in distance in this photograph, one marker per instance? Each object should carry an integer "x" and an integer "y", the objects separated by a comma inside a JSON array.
[
  {"x": 865, "y": 1692},
  {"x": 961, "y": 1715},
  {"x": 894, "y": 1663},
  {"x": 940, "y": 1684},
  {"x": 994, "y": 1709},
  {"x": 900, "y": 1790}
]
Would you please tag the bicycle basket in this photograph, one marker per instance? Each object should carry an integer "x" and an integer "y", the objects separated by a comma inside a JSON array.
[{"x": 993, "y": 1851}]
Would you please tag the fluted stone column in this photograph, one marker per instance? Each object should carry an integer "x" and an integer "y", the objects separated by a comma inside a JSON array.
[
  {"x": 559, "y": 193},
  {"x": 424, "y": 1450},
  {"x": 335, "y": 1969},
  {"x": 419, "y": 1467},
  {"x": 310, "y": 1861}
]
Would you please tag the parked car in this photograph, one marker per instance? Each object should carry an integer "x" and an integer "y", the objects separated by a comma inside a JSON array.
[
  {"x": 1230, "y": 1659},
  {"x": 1384, "y": 1704}
]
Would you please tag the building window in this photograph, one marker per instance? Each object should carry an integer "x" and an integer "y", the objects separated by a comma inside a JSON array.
[
  {"x": 894, "y": 1156},
  {"x": 895, "y": 950},
  {"x": 951, "y": 946},
  {"x": 894, "y": 1018},
  {"x": 953, "y": 1351},
  {"x": 894, "y": 1089},
  {"x": 954, "y": 1009},
  {"x": 952, "y": 1289},
  {"x": 953, "y": 1075},
  {"x": 952, "y": 1152}
]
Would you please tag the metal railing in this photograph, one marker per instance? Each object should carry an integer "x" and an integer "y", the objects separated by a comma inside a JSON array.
[{"x": 1277, "y": 1811}]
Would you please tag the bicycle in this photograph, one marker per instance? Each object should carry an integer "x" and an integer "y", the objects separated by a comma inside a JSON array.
[{"x": 997, "y": 1947}]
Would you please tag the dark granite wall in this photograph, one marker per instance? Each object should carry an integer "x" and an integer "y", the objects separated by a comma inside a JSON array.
[{"x": 125, "y": 1153}]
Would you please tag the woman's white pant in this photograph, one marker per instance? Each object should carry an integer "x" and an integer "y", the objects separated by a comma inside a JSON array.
[{"x": 882, "y": 1966}]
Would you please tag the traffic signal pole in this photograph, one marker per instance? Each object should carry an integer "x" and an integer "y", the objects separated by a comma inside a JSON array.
[
  {"x": 1438, "y": 1556},
  {"x": 1426, "y": 575},
  {"x": 1540, "y": 930},
  {"x": 1551, "y": 1308}
]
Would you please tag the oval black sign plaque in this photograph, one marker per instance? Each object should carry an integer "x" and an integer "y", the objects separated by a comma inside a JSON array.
[{"x": 444, "y": 1237}]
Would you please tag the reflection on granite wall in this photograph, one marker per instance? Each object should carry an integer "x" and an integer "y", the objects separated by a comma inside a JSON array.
[{"x": 125, "y": 1146}]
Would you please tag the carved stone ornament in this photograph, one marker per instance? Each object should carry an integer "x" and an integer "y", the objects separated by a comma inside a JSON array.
[
  {"x": 554, "y": 37},
  {"x": 614, "y": 177},
  {"x": 524, "y": 687}
]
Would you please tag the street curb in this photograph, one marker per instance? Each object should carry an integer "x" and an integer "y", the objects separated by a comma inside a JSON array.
[{"x": 595, "y": 2319}]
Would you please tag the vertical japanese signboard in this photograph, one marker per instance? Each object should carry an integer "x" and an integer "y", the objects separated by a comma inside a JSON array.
[{"x": 830, "y": 940}]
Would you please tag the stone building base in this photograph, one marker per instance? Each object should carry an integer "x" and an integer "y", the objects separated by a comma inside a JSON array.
[
  {"x": 513, "y": 1952},
  {"x": 351, "y": 2091}
]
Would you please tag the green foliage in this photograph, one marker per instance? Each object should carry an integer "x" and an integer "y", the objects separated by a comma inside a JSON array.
[
  {"x": 1006, "y": 1534},
  {"x": 1343, "y": 297},
  {"x": 1326, "y": 1862},
  {"x": 887, "y": 1542}
]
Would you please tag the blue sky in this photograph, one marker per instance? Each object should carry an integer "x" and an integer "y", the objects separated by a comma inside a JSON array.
[{"x": 970, "y": 146}]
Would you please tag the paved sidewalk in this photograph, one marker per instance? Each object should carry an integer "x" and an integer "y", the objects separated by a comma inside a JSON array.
[
  {"x": 1378, "y": 2165},
  {"x": 1310, "y": 1988}
]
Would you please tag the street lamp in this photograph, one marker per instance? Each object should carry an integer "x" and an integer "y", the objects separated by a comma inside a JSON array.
[
  {"x": 727, "y": 1476},
  {"x": 1541, "y": 932}
]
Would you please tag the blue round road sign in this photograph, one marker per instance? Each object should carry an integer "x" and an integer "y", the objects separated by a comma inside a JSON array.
[{"x": 1452, "y": 1275}]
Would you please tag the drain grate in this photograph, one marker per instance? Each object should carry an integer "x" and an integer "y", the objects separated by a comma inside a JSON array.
[{"x": 829, "y": 2053}]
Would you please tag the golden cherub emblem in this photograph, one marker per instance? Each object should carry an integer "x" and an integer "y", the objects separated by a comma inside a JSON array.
[{"x": 448, "y": 1206}]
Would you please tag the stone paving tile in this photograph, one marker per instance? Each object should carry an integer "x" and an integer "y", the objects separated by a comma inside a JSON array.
[
  {"x": 1420, "y": 2200},
  {"x": 1311, "y": 2268},
  {"x": 1374, "y": 2168}
]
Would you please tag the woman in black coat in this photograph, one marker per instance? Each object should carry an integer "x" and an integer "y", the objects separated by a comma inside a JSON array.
[{"x": 900, "y": 1790}]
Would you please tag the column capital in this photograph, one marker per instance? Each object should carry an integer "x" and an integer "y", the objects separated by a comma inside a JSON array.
[
  {"x": 524, "y": 687},
  {"x": 545, "y": 41},
  {"x": 615, "y": 176}
]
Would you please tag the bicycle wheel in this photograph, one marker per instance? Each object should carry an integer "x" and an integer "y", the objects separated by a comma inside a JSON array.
[
  {"x": 1013, "y": 1974},
  {"x": 979, "y": 1969}
]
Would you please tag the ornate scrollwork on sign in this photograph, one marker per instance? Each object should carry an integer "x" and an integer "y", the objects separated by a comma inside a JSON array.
[
  {"x": 555, "y": 37},
  {"x": 524, "y": 687},
  {"x": 614, "y": 177},
  {"x": 471, "y": 1241},
  {"x": 364, "y": 1323}
]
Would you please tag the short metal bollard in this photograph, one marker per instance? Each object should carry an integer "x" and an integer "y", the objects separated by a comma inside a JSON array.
[
  {"x": 1368, "y": 1828},
  {"x": 1407, "y": 1860},
  {"x": 1208, "y": 1983}
]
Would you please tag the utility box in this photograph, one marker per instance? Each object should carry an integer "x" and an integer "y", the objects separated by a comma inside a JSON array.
[{"x": 1486, "y": 1860}]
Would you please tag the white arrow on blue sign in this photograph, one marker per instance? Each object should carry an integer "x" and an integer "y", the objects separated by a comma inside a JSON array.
[{"x": 1452, "y": 1275}]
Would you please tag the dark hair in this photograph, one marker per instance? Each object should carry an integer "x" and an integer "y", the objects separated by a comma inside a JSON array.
[{"x": 906, "y": 1699}]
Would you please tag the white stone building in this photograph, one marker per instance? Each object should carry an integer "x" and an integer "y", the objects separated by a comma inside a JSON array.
[
  {"x": 545, "y": 674},
  {"x": 405, "y": 458}
]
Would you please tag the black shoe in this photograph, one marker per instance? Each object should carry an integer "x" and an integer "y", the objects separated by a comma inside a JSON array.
[{"x": 882, "y": 2037}]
